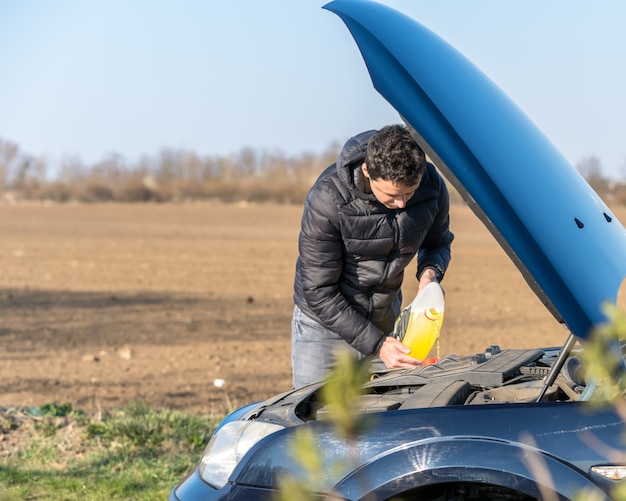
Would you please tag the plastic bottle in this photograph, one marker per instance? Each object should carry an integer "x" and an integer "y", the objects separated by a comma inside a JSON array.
[{"x": 425, "y": 320}]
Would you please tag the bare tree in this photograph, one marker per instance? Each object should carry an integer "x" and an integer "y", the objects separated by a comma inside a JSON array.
[
  {"x": 247, "y": 161},
  {"x": 622, "y": 171},
  {"x": 23, "y": 171},
  {"x": 590, "y": 167},
  {"x": 71, "y": 169},
  {"x": 9, "y": 155}
]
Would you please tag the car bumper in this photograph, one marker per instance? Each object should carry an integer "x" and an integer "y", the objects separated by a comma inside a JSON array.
[{"x": 192, "y": 488}]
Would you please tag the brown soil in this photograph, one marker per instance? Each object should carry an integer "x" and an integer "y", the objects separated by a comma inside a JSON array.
[{"x": 102, "y": 305}]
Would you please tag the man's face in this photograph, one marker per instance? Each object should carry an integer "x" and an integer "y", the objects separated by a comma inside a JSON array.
[{"x": 389, "y": 193}]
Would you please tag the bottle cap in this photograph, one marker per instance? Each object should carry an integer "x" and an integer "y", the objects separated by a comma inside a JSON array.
[{"x": 432, "y": 313}]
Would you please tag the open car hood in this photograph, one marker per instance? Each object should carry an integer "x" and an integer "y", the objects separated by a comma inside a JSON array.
[{"x": 569, "y": 246}]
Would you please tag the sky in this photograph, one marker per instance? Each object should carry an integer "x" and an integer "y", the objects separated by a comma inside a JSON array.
[{"x": 90, "y": 79}]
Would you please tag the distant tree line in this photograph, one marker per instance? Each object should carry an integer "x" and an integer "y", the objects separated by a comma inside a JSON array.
[
  {"x": 180, "y": 175},
  {"x": 170, "y": 176}
]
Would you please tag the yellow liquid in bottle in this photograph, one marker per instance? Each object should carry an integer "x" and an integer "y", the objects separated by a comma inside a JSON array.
[{"x": 422, "y": 331}]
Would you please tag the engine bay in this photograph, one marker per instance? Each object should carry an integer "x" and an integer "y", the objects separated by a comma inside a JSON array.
[{"x": 493, "y": 376}]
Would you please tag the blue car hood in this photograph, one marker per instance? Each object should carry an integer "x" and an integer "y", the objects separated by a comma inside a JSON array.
[{"x": 569, "y": 246}]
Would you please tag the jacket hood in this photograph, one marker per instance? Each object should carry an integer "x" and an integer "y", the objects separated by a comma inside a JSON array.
[
  {"x": 349, "y": 163},
  {"x": 566, "y": 242}
]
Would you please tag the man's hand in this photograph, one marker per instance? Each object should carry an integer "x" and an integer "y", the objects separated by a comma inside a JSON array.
[
  {"x": 395, "y": 355},
  {"x": 429, "y": 275}
]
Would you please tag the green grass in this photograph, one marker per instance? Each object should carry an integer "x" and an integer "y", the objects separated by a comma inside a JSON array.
[{"x": 53, "y": 452}]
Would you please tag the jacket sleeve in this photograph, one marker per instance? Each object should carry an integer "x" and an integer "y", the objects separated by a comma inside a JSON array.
[
  {"x": 321, "y": 266},
  {"x": 435, "y": 250}
]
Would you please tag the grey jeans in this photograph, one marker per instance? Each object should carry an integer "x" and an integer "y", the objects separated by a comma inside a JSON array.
[{"x": 313, "y": 349}]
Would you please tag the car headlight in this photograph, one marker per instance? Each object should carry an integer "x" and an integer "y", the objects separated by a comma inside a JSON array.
[{"x": 228, "y": 446}]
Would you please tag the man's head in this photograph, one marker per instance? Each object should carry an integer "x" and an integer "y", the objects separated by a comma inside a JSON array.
[{"x": 394, "y": 165}]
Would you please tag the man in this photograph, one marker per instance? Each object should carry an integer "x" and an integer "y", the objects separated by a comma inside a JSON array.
[{"x": 364, "y": 220}]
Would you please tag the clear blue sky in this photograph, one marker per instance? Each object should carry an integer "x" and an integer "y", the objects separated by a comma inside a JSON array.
[{"x": 91, "y": 78}]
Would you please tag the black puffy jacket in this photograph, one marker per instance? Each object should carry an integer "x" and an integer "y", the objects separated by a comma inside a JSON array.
[{"x": 353, "y": 250}]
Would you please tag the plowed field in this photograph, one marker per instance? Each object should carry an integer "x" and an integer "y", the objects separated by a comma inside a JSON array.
[{"x": 101, "y": 305}]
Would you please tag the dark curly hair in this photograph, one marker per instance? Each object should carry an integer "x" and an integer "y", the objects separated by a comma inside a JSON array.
[{"x": 393, "y": 155}]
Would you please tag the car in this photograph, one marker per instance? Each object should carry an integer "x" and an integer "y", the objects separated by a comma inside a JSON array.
[{"x": 502, "y": 424}]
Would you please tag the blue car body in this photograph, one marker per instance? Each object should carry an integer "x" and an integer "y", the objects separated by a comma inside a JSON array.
[{"x": 482, "y": 427}]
